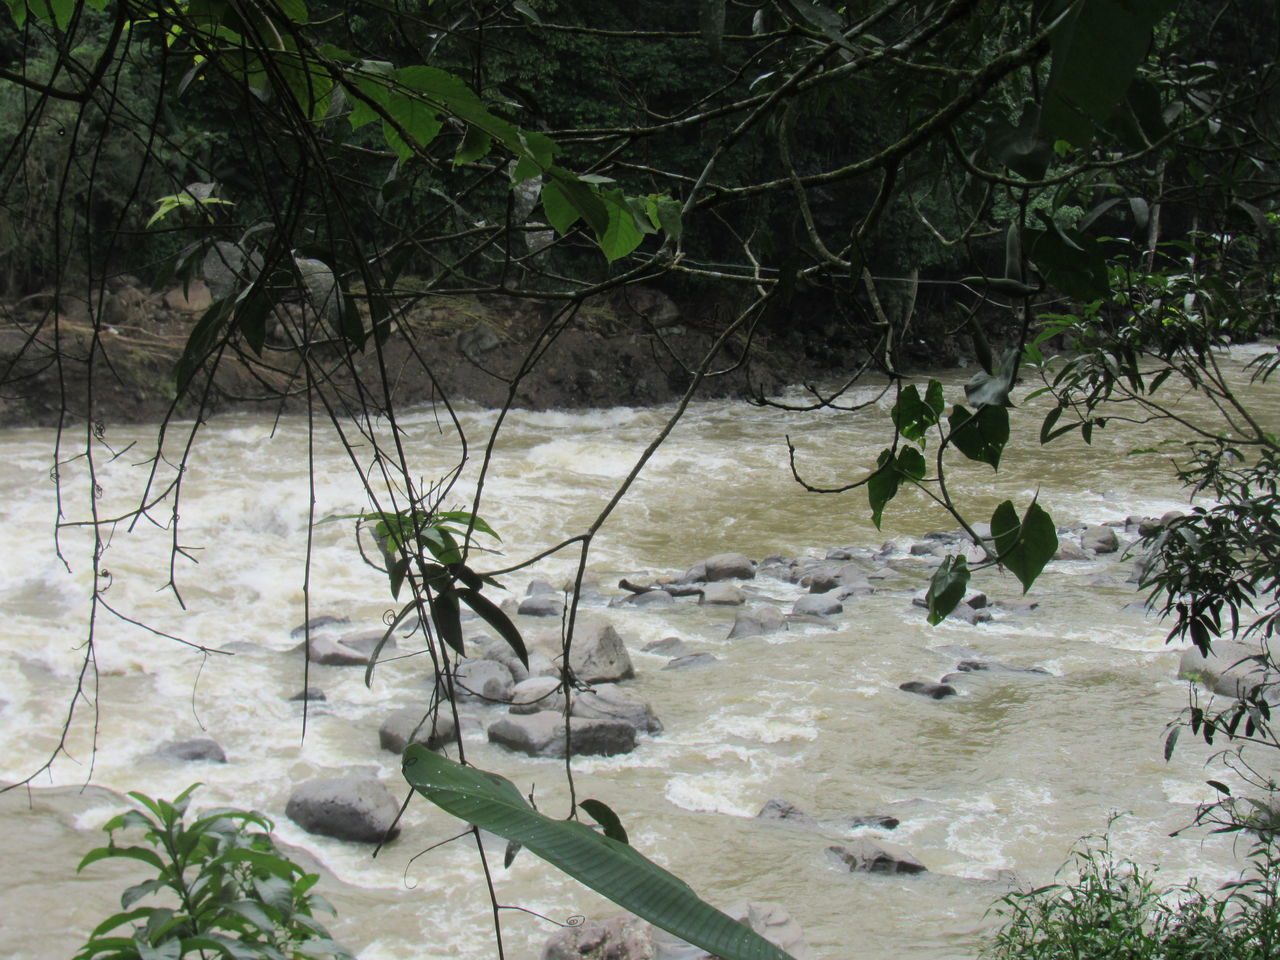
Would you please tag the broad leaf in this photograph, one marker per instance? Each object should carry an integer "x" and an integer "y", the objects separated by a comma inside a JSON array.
[
  {"x": 913, "y": 416},
  {"x": 993, "y": 388},
  {"x": 882, "y": 485},
  {"x": 981, "y": 436},
  {"x": 613, "y": 869},
  {"x": 947, "y": 588},
  {"x": 1024, "y": 547},
  {"x": 603, "y": 814}
]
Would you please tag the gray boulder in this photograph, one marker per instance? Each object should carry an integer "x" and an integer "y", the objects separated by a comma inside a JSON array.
[
  {"x": 201, "y": 748},
  {"x": 691, "y": 661},
  {"x": 309, "y": 693},
  {"x": 348, "y": 808},
  {"x": 543, "y": 734},
  {"x": 500, "y": 652},
  {"x": 329, "y": 652},
  {"x": 366, "y": 641},
  {"x": 325, "y": 622},
  {"x": 1070, "y": 550},
  {"x": 537, "y": 693},
  {"x": 1231, "y": 670},
  {"x": 723, "y": 594},
  {"x": 667, "y": 647},
  {"x": 475, "y": 679},
  {"x": 1099, "y": 539},
  {"x": 541, "y": 605},
  {"x": 817, "y": 604},
  {"x": 415, "y": 725},
  {"x": 927, "y": 689},
  {"x": 757, "y": 621},
  {"x": 875, "y": 856},
  {"x": 779, "y": 809},
  {"x": 608, "y": 702},
  {"x": 728, "y": 566},
  {"x": 598, "y": 654}
]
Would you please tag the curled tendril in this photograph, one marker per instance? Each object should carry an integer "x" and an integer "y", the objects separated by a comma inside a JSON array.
[
  {"x": 389, "y": 617},
  {"x": 576, "y": 920},
  {"x": 54, "y": 476},
  {"x": 99, "y": 429},
  {"x": 97, "y": 491}
]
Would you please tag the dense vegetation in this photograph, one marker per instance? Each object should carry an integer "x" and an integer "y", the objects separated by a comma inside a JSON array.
[{"x": 1091, "y": 177}]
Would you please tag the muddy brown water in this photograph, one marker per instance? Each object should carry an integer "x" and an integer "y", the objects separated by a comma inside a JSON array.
[{"x": 1004, "y": 777}]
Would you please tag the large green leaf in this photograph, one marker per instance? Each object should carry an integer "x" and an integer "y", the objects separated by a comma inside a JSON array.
[
  {"x": 981, "y": 436},
  {"x": 611, "y": 868},
  {"x": 947, "y": 588},
  {"x": 1024, "y": 547},
  {"x": 1097, "y": 48}
]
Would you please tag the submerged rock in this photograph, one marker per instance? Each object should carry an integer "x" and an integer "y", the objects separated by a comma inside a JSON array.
[
  {"x": 200, "y": 748},
  {"x": 875, "y": 856},
  {"x": 927, "y": 689},
  {"x": 415, "y": 725},
  {"x": 779, "y": 809},
  {"x": 691, "y": 661},
  {"x": 757, "y": 621}
]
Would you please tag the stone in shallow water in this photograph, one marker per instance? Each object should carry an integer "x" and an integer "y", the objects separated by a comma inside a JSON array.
[
  {"x": 543, "y": 734},
  {"x": 201, "y": 748},
  {"x": 413, "y": 725},
  {"x": 348, "y": 808},
  {"x": 928, "y": 689},
  {"x": 875, "y": 856}
]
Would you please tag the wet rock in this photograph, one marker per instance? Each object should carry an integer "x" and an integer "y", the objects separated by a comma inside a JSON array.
[
  {"x": 1069, "y": 550},
  {"x": 848, "y": 578},
  {"x": 500, "y": 652},
  {"x": 598, "y": 654},
  {"x": 1099, "y": 539},
  {"x": 415, "y": 725},
  {"x": 618, "y": 938},
  {"x": 1231, "y": 669},
  {"x": 875, "y": 856},
  {"x": 779, "y": 809},
  {"x": 926, "y": 549},
  {"x": 348, "y": 808},
  {"x": 926, "y": 689},
  {"x": 969, "y": 615},
  {"x": 821, "y": 605},
  {"x": 770, "y": 920},
  {"x": 317, "y": 623},
  {"x": 201, "y": 748},
  {"x": 366, "y": 641},
  {"x": 331, "y": 653},
  {"x": 691, "y": 662},
  {"x": 650, "y": 598},
  {"x": 723, "y": 594},
  {"x": 310, "y": 693},
  {"x": 995, "y": 666},
  {"x": 538, "y": 588},
  {"x": 537, "y": 693},
  {"x": 667, "y": 647},
  {"x": 475, "y": 679},
  {"x": 757, "y": 621},
  {"x": 608, "y": 702},
  {"x": 728, "y": 566},
  {"x": 544, "y": 734},
  {"x": 541, "y": 605},
  {"x": 878, "y": 821}
]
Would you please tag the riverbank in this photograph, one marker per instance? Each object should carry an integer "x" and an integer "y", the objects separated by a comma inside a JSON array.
[{"x": 636, "y": 347}]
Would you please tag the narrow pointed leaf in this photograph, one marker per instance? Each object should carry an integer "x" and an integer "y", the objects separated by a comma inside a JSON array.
[
  {"x": 947, "y": 588},
  {"x": 492, "y": 614},
  {"x": 602, "y": 814},
  {"x": 610, "y": 868}
]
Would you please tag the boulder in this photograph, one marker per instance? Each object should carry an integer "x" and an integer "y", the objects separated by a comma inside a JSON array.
[
  {"x": 1099, "y": 539},
  {"x": 543, "y": 734},
  {"x": 770, "y": 920},
  {"x": 201, "y": 748},
  {"x": 875, "y": 856},
  {"x": 649, "y": 598},
  {"x": 728, "y": 566},
  {"x": 415, "y": 725},
  {"x": 667, "y": 647},
  {"x": 848, "y": 578},
  {"x": 317, "y": 623},
  {"x": 1231, "y": 669},
  {"x": 723, "y": 594},
  {"x": 926, "y": 689},
  {"x": 539, "y": 588},
  {"x": 366, "y": 641},
  {"x": 817, "y": 604},
  {"x": 598, "y": 654},
  {"x": 608, "y": 702},
  {"x": 627, "y": 937},
  {"x": 1070, "y": 550},
  {"x": 535, "y": 694},
  {"x": 757, "y": 621},
  {"x": 193, "y": 297},
  {"x": 541, "y": 605},
  {"x": 500, "y": 652},
  {"x": 693, "y": 660},
  {"x": 994, "y": 666},
  {"x": 618, "y": 938},
  {"x": 475, "y": 679},
  {"x": 879, "y": 821},
  {"x": 332, "y": 653},
  {"x": 348, "y": 808},
  {"x": 970, "y": 615},
  {"x": 779, "y": 809},
  {"x": 310, "y": 693}
]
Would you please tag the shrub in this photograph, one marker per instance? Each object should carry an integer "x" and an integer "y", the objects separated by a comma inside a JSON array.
[{"x": 229, "y": 892}]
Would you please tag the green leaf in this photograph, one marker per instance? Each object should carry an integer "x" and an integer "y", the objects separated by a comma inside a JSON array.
[
  {"x": 947, "y": 588},
  {"x": 492, "y": 614},
  {"x": 981, "y": 436},
  {"x": 1024, "y": 547},
  {"x": 1096, "y": 50},
  {"x": 882, "y": 485},
  {"x": 911, "y": 463},
  {"x": 993, "y": 388},
  {"x": 1071, "y": 261},
  {"x": 603, "y": 814},
  {"x": 560, "y": 213},
  {"x": 204, "y": 336},
  {"x": 621, "y": 235},
  {"x": 475, "y": 144},
  {"x": 145, "y": 854},
  {"x": 613, "y": 869},
  {"x": 445, "y": 615},
  {"x": 912, "y": 416},
  {"x": 1021, "y": 148}
]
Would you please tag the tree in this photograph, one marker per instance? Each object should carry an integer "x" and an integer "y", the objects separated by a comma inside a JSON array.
[{"x": 351, "y": 164}]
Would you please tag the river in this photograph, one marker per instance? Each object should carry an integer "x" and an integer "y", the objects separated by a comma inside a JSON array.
[{"x": 1004, "y": 777}]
